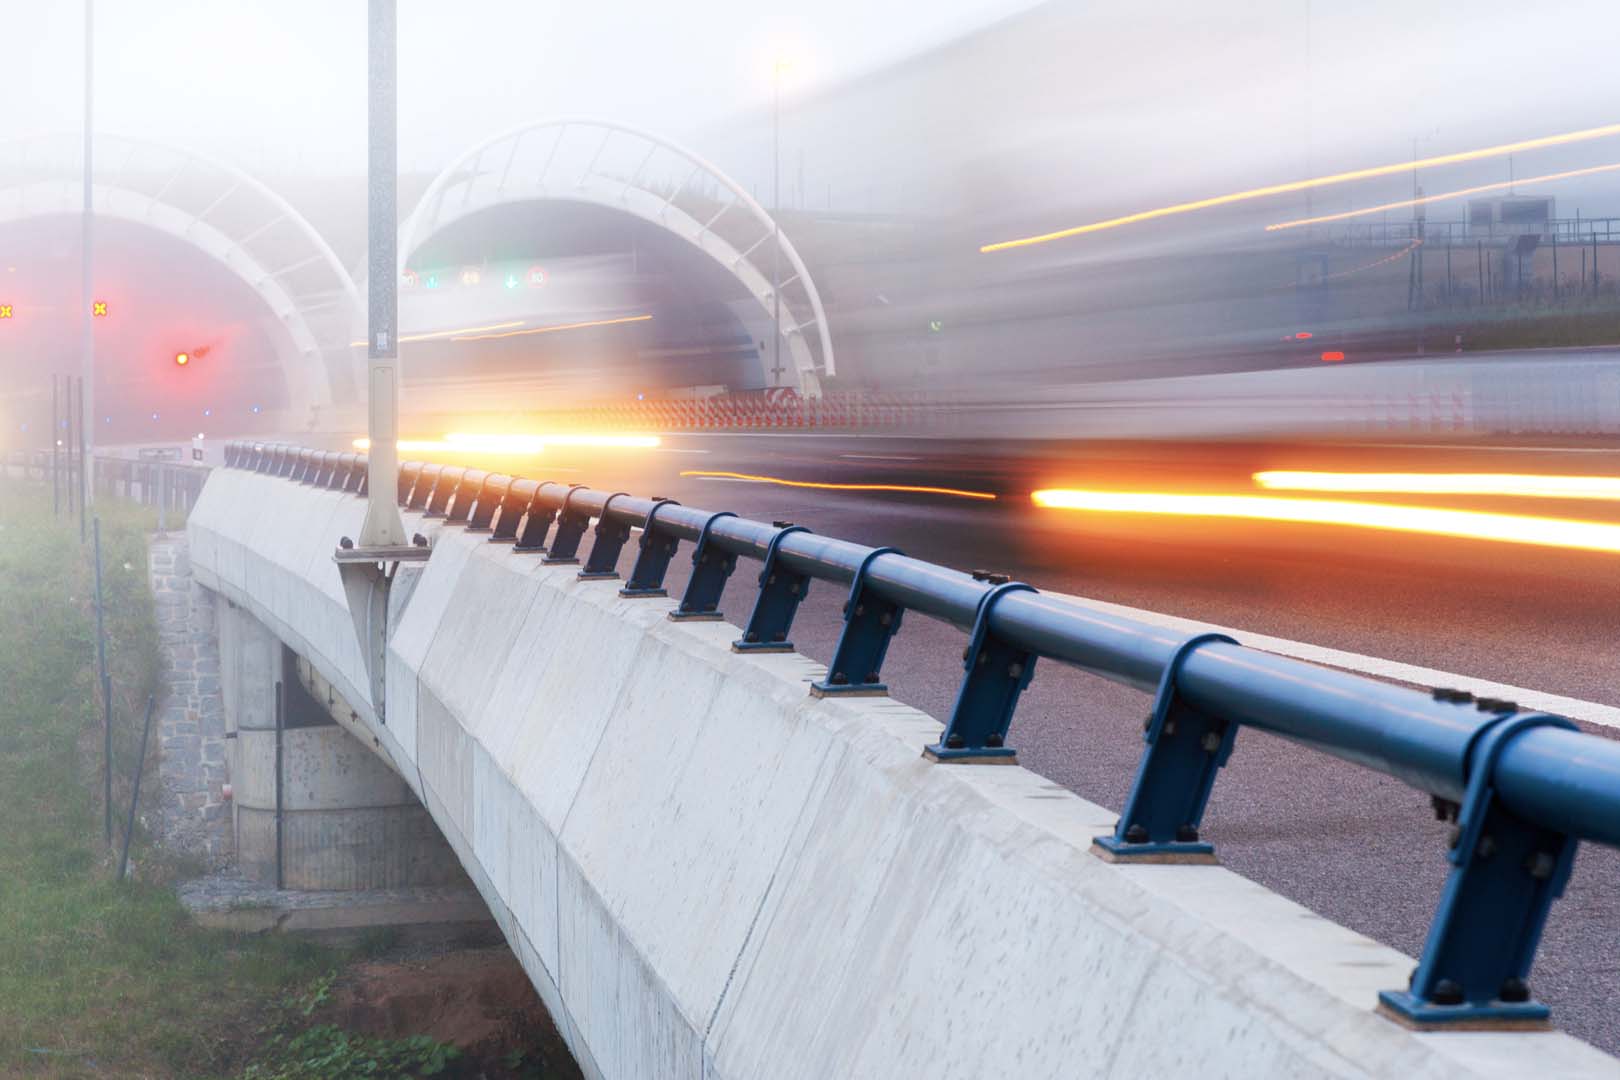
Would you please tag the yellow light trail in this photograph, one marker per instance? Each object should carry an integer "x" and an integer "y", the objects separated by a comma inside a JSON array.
[
  {"x": 1468, "y": 524},
  {"x": 1526, "y": 485},
  {"x": 902, "y": 488},
  {"x": 428, "y": 336},
  {"x": 554, "y": 329},
  {"x": 468, "y": 442},
  {"x": 1314, "y": 182},
  {"x": 1458, "y": 194}
]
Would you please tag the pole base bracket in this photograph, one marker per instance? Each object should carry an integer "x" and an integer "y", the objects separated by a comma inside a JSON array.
[
  {"x": 982, "y": 755},
  {"x": 1410, "y": 1011},
  {"x": 1171, "y": 853},
  {"x": 826, "y": 689}
]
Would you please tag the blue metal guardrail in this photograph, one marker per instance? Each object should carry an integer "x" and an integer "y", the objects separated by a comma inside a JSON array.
[{"x": 1522, "y": 788}]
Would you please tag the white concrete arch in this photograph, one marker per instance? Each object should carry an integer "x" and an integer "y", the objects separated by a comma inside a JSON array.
[
  {"x": 226, "y": 214},
  {"x": 636, "y": 172}
]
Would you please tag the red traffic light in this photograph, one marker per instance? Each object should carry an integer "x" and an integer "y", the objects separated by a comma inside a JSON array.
[{"x": 182, "y": 359}]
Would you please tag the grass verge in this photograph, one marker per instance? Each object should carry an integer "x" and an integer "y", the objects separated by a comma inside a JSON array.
[{"x": 99, "y": 978}]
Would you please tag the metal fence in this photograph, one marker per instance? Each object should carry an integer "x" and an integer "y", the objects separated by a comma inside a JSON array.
[
  {"x": 1522, "y": 788},
  {"x": 167, "y": 486}
]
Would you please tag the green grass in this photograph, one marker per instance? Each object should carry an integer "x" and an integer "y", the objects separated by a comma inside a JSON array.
[{"x": 100, "y": 978}]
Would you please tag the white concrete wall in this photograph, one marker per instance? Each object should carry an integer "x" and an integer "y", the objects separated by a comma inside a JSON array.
[{"x": 708, "y": 873}]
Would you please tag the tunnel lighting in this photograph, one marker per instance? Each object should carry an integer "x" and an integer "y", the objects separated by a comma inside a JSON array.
[
  {"x": 1525, "y": 485},
  {"x": 912, "y": 489},
  {"x": 99, "y": 309},
  {"x": 552, "y": 329},
  {"x": 1458, "y": 194},
  {"x": 1468, "y": 524},
  {"x": 452, "y": 334},
  {"x": 1314, "y": 182}
]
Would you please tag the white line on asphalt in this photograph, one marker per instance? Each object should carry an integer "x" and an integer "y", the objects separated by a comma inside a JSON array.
[
  {"x": 679, "y": 450},
  {"x": 1575, "y": 708},
  {"x": 879, "y": 457}
]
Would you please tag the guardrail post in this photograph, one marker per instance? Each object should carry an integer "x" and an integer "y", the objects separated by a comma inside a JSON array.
[
  {"x": 491, "y": 495},
  {"x": 537, "y": 521},
  {"x": 869, "y": 622},
  {"x": 780, "y": 592},
  {"x": 602, "y": 563},
  {"x": 571, "y": 526},
  {"x": 1185, "y": 749},
  {"x": 1506, "y": 872},
  {"x": 711, "y": 567},
  {"x": 513, "y": 505},
  {"x": 652, "y": 559},
  {"x": 997, "y": 673},
  {"x": 467, "y": 488}
]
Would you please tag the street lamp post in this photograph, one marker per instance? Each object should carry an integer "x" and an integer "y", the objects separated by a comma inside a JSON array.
[
  {"x": 776, "y": 210},
  {"x": 87, "y": 396}
]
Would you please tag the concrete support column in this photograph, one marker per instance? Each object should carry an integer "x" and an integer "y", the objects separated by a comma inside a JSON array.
[{"x": 346, "y": 820}]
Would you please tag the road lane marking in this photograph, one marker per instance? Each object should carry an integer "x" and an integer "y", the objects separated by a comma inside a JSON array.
[{"x": 1574, "y": 708}]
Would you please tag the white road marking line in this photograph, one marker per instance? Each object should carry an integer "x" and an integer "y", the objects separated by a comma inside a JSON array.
[
  {"x": 1575, "y": 708},
  {"x": 678, "y": 450}
]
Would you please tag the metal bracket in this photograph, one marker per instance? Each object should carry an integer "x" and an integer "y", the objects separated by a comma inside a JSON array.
[
  {"x": 537, "y": 519},
  {"x": 368, "y": 575},
  {"x": 711, "y": 567},
  {"x": 652, "y": 560},
  {"x": 512, "y": 507},
  {"x": 870, "y": 622},
  {"x": 603, "y": 561},
  {"x": 1185, "y": 749},
  {"x": 1505, "y": 875},
  {"x": 997, "y": 673},
  {"x": 780, "y": 591},
  {"x": 485, "y": 502},
  {"x": 571, "y": 526},
  {"x": 426, "y": 480},
  {"x": 444, "y": 486}
]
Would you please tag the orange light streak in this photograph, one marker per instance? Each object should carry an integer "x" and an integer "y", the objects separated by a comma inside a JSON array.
[
  {"x": 1314, "y": 182},
  {"x": 903, "y": 488},
  {"x": 1467, "y": 524},
  {"x": 430, "y": 335},
  {"x": 1517, "y": 485},
  {"x": 1458, "y": 194},
  {"x": 554, "y": 329}
]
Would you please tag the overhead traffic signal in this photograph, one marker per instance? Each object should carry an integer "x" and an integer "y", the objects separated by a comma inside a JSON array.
[
  {"x": 5, "y": 311},
  {"x": 99, "y": 309},
  {"x": 181, "y": 359}
]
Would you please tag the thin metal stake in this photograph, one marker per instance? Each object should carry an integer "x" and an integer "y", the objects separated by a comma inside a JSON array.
[
  {"x": 281, "y": 878},
  {"x": 135, "y": 795},
  {"x": 106, "y": 688}
]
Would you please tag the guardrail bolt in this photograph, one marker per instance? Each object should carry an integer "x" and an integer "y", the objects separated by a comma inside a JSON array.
[
  {"x": 1211, "y": 742},
  {"x": 1486, "y": 848},
  {"x": 1136, "y": 834},
  {"x": 1540, "y": 865},
  {"x": 346, "y": 543},
  {"x": 1186, "y": 834},
  {"x": 1446, "y": 992},
  {"x": 955, "y": 742},
  {"x": 1514, "y": 989}
]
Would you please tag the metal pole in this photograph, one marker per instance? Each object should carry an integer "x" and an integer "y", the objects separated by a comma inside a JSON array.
[
  {"x": 163, "y": 498},
  {"x": 87, "y": 390},
  {"x": 281, "y": 878},
  {"x": 135, "y": 795},
  {"x": 106, "y": 688},
  {"x": 776, "y": 227},
  {"x": 84, "y": 461},
  {"x": 383, "y": 526},
  {"x": 56, "y": 427}
]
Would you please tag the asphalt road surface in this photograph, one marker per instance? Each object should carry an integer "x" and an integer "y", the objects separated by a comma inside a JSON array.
[{"x": 1357, "y": 847}]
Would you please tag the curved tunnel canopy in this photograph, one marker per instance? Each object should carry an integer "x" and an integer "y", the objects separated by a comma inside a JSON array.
[
  {"x": 270, "y": 331},
  {"x": 162, "y": 298},
  {"x": 619, "y": 225}
]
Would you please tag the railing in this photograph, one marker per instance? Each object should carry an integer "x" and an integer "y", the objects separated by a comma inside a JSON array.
[
  {"x": 164, "y": 485},
  {"x": 1438, "y": 234},
  {"x": 1522, "y": 788}
]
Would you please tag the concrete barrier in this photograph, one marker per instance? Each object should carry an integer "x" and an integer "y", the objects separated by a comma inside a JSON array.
[{"x": 709, "y": 873}]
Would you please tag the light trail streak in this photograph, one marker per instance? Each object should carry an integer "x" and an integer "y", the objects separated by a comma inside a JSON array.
[
  {"x": 1458, "y": 194},
  {"x": 1311, "y": 183},
  {"x": 1518, "y": 485},
  {"x": 912, "y": 489},
  {"x": 1467, "y": 524},
  {"x": 430, "y": 335},
  {"x": 517, "y": 443},
  {"x": 1401, "y": 254},
  {"x": 553, "y": 329}
]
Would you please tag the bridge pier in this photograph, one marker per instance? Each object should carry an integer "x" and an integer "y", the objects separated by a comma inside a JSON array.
[{"x": 344, "y": 820}]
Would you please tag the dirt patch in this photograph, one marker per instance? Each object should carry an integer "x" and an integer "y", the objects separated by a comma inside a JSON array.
[{"x": 478, "y": 999}]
